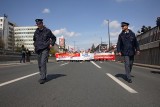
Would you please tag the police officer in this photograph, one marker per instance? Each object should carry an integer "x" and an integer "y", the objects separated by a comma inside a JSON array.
[
  {"x": 42, "y": 42},
  {"x": 127, "y": 46},
  {"x": 23, "y": 50}
]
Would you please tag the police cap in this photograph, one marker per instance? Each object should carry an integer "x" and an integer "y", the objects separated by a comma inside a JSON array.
[
  {"x": 39, "y": 20},
  {"x": 124, "y": 24}
]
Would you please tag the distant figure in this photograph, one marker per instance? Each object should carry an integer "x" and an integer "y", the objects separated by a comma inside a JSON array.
[
  {"x": 23, "y": 54},
  {"x": 28, "y": 54},
  {"x": 127, "y": 46},
  {"x": 42, "y": 42}
]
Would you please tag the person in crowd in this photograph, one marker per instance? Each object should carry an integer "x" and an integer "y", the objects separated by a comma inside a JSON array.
[
  {"x": 23, "y": 54},
  {"x": 28, "y": 54}
]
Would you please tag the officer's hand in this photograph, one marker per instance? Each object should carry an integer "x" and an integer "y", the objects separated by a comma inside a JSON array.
[
  {"x": 120, "y": 54},
  {"x": 50, "y": 46},
  {"x": 138, "y": 52}
]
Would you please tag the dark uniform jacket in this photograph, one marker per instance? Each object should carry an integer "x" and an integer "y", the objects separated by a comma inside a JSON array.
[
  {"x": 127, "y": 43},
  {"x": 42, "y": 38}
]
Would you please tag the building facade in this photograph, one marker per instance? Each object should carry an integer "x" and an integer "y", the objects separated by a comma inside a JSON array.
[
  {"x": 24, "y": 36},
  {"x": 7, "y": 33}
]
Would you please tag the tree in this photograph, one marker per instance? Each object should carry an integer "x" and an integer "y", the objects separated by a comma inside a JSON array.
[
  {"x": 93, "y": 48},
  {"x": 52, "y": 51},
  {"x": 149, "y": 28},
  {"x": 18, "y": 43},
  {"x": 138, "y": 32},
  {"x": 18, "y": 48},
  {"x": 158, "y": 21},
  {"x": 145, "y": 29}
]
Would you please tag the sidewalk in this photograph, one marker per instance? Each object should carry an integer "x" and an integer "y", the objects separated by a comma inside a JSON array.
[
  {"x": 143, "y": 65},
  {"x": 147, "y": 65}
]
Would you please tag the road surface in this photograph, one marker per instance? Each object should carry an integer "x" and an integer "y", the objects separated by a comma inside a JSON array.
[{"x": 78, "y": 84}]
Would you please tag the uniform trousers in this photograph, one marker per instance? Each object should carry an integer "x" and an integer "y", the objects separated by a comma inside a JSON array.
[
  {"x": 42, "y": 63},
  {"x": 128, "y": 62}
]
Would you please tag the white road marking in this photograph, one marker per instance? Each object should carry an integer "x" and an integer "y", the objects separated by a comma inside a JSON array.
[
  {"x": 95, "y": 64},
  {"x": 9, "y": 82},
  {"x": 122, "y": 84},
  {"x": 64, "y": 64},
  {"x": 5, "y": 66},
  {"x": 12, "y": 64},
  {"x": 15, "y": 64}
]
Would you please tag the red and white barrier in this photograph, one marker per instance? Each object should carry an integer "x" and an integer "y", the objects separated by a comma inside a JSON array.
[
  {"x": 104, "y": 56},
  {"x": 84, "y": 56}
]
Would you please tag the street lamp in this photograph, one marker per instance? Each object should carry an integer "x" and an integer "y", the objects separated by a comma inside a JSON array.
[{"x": 108, "y": 34}]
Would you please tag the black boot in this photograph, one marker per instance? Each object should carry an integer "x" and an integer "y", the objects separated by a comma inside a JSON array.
[
  {"x": 42, "y": 81},
  {"x": 129, "y": 81}
]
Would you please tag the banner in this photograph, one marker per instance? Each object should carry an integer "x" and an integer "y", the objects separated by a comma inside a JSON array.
[
  {"x": 74, "y": 56},
  {"x": 104, "y": 56},
  {"x": 84, "y": 56}
]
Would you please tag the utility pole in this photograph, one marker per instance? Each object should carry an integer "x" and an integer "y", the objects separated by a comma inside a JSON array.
[
  {"x": 101, "y": 40},
  {"x": 4, "y": 27},
  {"x": 108, "y": 34}
]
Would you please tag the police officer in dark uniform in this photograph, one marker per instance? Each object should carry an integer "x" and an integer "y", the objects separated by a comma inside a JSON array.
[
  {"x": 42, "y": 42},
  {"x": 127, "y": 46}
]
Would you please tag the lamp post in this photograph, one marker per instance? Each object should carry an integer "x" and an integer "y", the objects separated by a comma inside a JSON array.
[{"x": 108, "y": 34}]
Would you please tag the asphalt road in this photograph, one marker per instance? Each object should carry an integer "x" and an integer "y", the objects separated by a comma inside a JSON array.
[{"x": 78, "y": 84}]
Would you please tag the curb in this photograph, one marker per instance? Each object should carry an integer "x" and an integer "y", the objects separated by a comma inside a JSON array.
[
  {"x": 143, "y": 65},
  {"x": 147, "y": 65}
]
